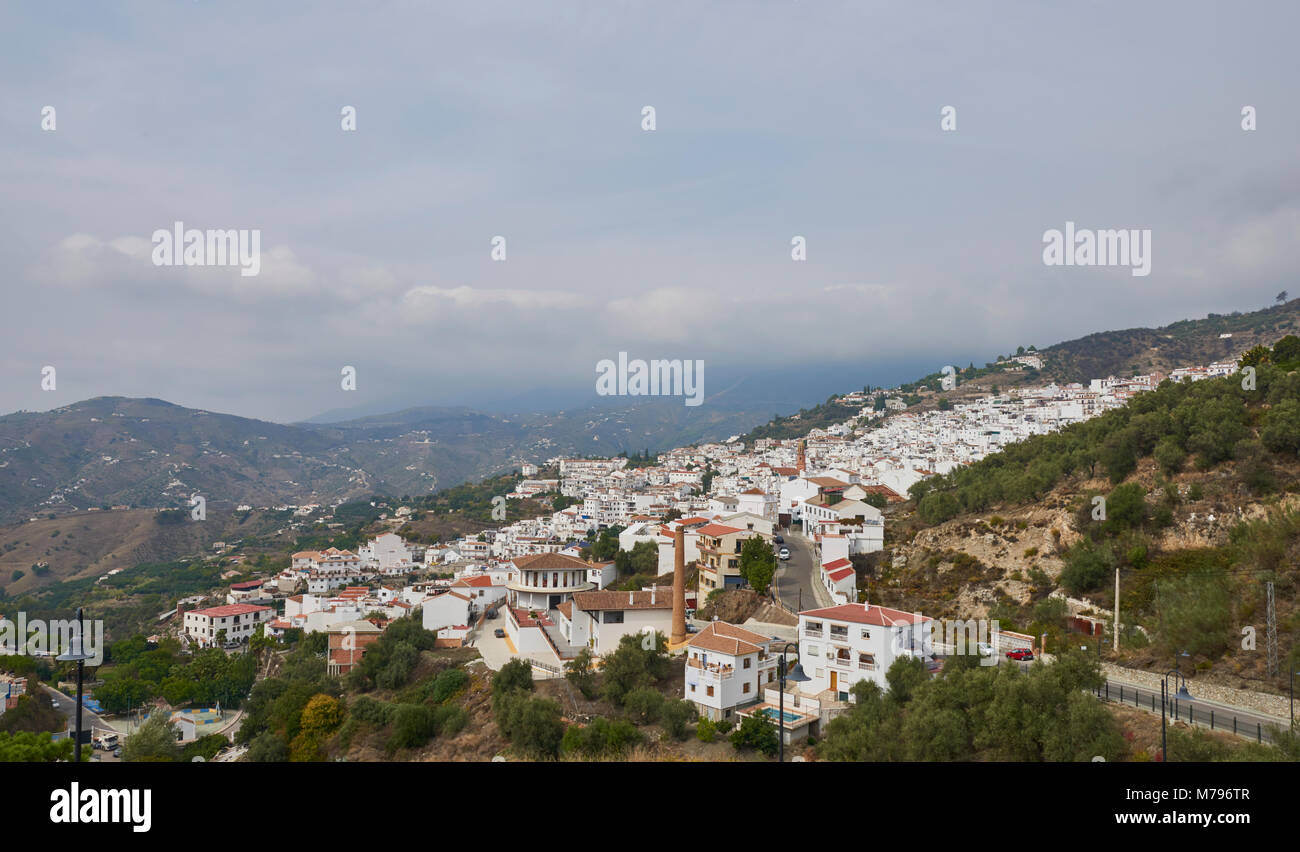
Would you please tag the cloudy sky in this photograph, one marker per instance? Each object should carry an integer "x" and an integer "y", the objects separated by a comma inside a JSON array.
[{"x": 477, "y": 119}]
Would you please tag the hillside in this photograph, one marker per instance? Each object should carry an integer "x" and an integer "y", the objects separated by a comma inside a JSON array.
[
  {"x": 116, "y": 451},
  {"x": 1187, "y": 342},
  {"x": 1199, "y": 490}
]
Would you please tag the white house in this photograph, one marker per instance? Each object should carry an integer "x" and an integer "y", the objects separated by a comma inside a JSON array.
[
  {"x": 727, "y": 667},
  {"x": 841, "y": 645},
  {"x": 599, "y": 619},
  {"x": 237, "y": 620}
]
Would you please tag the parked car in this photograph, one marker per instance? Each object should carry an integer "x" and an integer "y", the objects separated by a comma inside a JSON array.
[
  {"x": 499, "y": 633},
  {"x": 779, "y": 540},
  {"x": 784, "y": 553},
  {"x": 985, "y": 649},
  {"x": 117, "y": 752},
  {"x": 1020, "y": 654},
  {"x": 492, "y": 613}
]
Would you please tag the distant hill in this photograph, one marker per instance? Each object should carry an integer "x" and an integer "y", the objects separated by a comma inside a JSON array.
[
  {"x": 111, "y": 451},
  {"x": 1184, "y": 343}
]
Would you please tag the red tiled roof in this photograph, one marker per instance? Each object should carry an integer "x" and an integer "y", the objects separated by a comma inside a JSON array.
[
  {"x": 837, "y": 564},
  {"x": 228, "y": 610},
  {"x": 878, "y": 616},
  {"x": 841, "y": 573},
  {"x": 717, "y": 530}
]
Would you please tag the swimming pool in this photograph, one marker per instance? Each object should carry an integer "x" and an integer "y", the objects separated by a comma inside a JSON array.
[{"x": 770, "y": 712}]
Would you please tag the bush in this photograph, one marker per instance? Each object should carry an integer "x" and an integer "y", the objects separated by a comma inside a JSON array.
[
  {"x": 516, "y": 674},
  {"x": 675, "y": 716},
  {"x": 367, "y": 709},
  {"x": 413, "y": 726},
  {"x": 533, "y": 725},
  {"x": 706, "y": 730},
  {"x": 643, "y": 705},
  {"x": 756, "y": 733},
  {"x": 268, "y": 747},
  {"x": 448, "y": 684},
  {"x": 602, "y": 738},
  {"x": 1086, "y": 567}
]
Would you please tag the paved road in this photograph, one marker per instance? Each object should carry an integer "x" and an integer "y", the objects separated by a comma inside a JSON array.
[
  {"x": 1202, "y": 712},
  {"x": 794, "y": 578}
]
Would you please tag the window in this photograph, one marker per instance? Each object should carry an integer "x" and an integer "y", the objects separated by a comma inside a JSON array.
[
  {"x": 813, "y": 651},
  {"x": 745, "y": 688},
  {"x": 748, "y": 660},
  {"x": 708, "y": 690},
  {"x": 613, "y": 616},
  {"x": 692, "y": 687},
  {"x": 866, "y": 634}
]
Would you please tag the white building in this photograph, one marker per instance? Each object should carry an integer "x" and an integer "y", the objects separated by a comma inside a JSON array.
[
  {"x": 237, "y": 620},
  {"x": 841, "y": 645},
  {"x": 727, "y": 667},
  {"x": 599, "y": 620}
]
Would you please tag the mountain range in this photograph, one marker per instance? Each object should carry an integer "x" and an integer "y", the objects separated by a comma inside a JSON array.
[{"x": 109, "y": 451}]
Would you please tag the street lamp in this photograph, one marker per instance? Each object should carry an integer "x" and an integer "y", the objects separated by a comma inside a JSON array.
[
  {"x": 77, "y": 653},
  {"x": 1181, "y": 695},
  {"x": 1293, "y": 674},
  {"x": 796, "y": 675}
]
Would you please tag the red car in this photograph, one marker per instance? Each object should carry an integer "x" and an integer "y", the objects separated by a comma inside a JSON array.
[{"x": 1020, "y": 654}]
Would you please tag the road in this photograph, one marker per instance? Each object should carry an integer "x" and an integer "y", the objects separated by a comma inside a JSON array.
[
  {"x": 1205, "y": 713},
  {"x": 67, "y": 707},
  {"x": 795, "y": 577}
]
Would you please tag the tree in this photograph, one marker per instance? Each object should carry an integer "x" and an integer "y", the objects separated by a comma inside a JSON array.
[
  {"x": 153, "y": 742},
  {"x": 30, "y": 747},
  {"x": 514, "y": 675},
  {"x": 675, "y": 716},
  {"x": 1281, "y": 297},
  {"x": 644, "y": 705},
  {"x": 632, "y": 666},
  {"x": 534, "y": 726},
  {"x": 322, "y": 715},
  {"x": 1280, "y": 428},
  {"x": 1286, "y": 352},
  {"x": 581, "y": 672},
  {"x": 757, "y": 563},
  {"x": 268, "y": 747}
]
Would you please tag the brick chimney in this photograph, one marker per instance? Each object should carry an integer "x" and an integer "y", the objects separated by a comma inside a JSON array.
[{"x": 679, "y": 586}]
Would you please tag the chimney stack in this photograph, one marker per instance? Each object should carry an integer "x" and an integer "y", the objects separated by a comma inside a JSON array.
[{"x": 679, "y": 586}]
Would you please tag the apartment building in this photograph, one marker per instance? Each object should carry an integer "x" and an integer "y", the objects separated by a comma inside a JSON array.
[{"x": 238, "y": 621}]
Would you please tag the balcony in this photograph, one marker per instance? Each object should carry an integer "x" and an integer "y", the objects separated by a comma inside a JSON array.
[
  {"x": 843, "y": 663},
  {"x": 812, "y": 634},
  {"x": 711, "y": 671}
]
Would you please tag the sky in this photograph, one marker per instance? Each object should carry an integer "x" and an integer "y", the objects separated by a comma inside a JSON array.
[{"x": 524, "y": 120}]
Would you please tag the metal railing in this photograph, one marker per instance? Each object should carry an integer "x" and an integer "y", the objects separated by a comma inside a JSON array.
[{"x": 1216, "y": 719}]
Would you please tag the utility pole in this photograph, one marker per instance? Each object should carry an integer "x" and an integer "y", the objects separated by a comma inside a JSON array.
[
  {"x": 1272, "y": 633},
  {"x": 1115, "y": 621}
]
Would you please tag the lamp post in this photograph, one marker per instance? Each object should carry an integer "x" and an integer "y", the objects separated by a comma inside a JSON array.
[
  {"x": 1293, "y": 674},
  {"x": 795, "y": 676},
  {"x": 77, "y": 653},
  {"x": 1182, "y": 695}
]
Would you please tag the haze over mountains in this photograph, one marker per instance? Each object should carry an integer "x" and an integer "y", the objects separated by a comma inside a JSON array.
[{"x": 148, "y": 452}]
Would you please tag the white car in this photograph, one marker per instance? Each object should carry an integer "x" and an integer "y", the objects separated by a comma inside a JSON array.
[{"x": 784, "y": 553}]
